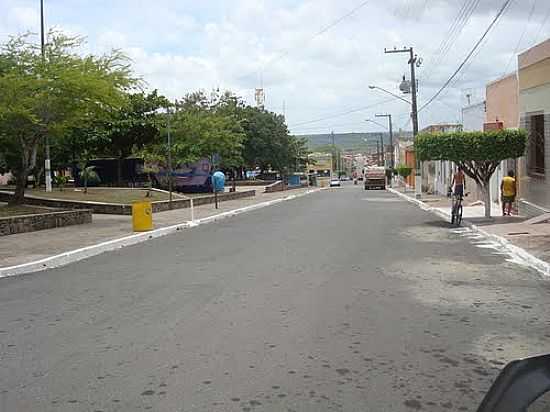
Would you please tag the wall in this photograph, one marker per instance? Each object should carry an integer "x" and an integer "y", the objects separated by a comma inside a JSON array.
[
  {"x": 122, "y": 209},
  {"x": 502, "y": 102},
  {"x": 30, "y": 223},
  {"x": 473, "y": 117},
  {"x": 534, "y": 98}
]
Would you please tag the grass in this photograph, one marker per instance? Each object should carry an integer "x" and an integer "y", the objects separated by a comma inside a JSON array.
[
  {"x": 100, "y": 194},
  {"x": 8, "y": 211}
]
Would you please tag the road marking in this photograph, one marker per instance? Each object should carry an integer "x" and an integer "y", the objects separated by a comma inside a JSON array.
[
  {"x": 382, "y": 200},
  {"x": 517, "y": 254}
]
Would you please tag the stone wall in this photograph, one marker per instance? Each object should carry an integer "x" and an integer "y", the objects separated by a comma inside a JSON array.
[
  {"x": 30, "y": 223},
  {"x": 124, "y": 209}
]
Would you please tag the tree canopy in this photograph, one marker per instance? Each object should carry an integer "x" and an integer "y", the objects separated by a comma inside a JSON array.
[
  {"x": 44, "y": 96},
  {"x": 90, "y": 106},
  {"x": 478, "y": 153}
]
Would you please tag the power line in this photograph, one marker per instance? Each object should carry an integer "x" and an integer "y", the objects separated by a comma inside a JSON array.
[
  {"x": 497, "y": 17},
  {"x": 521, "y": 37},
  {"x": 344, "y": 113},
  {"x": 317, "y": 34},
  {"x": 463, "y": 17}
]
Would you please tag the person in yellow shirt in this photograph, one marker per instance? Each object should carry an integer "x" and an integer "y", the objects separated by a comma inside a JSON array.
[{"x": 508, "y": 189}]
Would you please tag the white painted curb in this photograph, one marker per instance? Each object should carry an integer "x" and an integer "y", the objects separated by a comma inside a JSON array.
[
  {"x": 93, "y": 250},
  {"x": 515, "y": 251}
]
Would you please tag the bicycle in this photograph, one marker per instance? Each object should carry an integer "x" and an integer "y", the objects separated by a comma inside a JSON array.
[{"x": 456, "y": 207}]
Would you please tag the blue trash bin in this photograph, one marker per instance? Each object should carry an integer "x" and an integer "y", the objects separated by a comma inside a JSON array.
[{"x": 218, "y": 181}]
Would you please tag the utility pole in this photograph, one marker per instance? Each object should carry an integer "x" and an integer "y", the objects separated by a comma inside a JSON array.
[
  {"x": 169, "y": 142},
  {"x": 413, "y": 62},
  {"x": 47, "y": 162},
  {"x": 334, "y": 158},
  {"x": 392, "y": 160},
  {"x": 382, "y": 157}
]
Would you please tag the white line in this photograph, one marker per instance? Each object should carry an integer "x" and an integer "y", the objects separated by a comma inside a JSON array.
[
  {"x": 518, "y": 254},
  {"x": 94, "y": 250}
]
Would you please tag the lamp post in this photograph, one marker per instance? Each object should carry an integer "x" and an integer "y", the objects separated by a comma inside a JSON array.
[
  {"x": 47, "y": 162},
  {"x": 413, "y": 62},
  {"x": 381, "y": 143},
  {"x": 391, "y": 136}
]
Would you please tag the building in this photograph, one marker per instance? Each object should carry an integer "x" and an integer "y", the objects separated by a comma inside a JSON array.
[
  {"x": 473, "y": 117},
  {"x": 501, "y": 98},
  {"x": 534, "y": 117},
  {"x": 319, "y": 168},
  {"x": 404, "y": 155}
]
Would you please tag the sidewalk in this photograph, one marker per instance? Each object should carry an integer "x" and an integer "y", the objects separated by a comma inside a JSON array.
[
  {"x": 28, "y": 247},
  {"x": 533, "y": 238}
]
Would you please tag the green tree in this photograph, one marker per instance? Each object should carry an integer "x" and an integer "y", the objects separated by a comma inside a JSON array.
[
  {"x": 403, "y": 170},
  {"x": 478, "y": 153},
  {"x": 268, "y": 143},
  {"x": 200, "y": 127},
  {"x": 44, "y": 97},
  {"x": 132, "y": 127}
]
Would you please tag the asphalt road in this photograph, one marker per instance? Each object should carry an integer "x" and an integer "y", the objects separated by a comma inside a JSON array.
[{"x": 345, "y": 300}]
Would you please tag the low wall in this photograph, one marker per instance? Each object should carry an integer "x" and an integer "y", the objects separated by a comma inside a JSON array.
[
  {"x": 250, "y": 182},
  {"x": 50, "y": 220},
  {"x": 164, "y": 205},
  {"x": 279, "y": 187},
  {"x": 125, "y": 209}
]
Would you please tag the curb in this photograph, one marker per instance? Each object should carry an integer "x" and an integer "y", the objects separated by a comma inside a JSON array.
[
  {"x": 514, "y": 251},
  {"x": 76, "y": 255}
]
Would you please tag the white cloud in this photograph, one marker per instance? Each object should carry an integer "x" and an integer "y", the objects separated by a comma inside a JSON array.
[{"x": 181, "y": 46}]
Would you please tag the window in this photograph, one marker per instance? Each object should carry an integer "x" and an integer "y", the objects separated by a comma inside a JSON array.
[{"x": 536, "y": 145}]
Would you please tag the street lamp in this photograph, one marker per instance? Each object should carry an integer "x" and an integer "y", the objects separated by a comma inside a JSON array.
[{"x": 390, "y": 93}]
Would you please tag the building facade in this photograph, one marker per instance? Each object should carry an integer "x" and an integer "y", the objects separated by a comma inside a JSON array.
[
  {"x": 534, "y": 117},
  {"x": 502, "y": 113},
  {"x": 473, "y": 117}
]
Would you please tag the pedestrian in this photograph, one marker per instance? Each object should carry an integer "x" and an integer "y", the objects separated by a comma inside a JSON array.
[
  {"x": 508, "y": 189},
  {"x": 459, "y": 183}
]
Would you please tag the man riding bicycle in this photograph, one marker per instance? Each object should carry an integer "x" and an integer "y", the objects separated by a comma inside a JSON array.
[{"x": 459, "y": 183}]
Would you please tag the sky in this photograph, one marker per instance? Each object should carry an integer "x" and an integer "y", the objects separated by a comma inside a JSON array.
[{"x": 314, "y": 58}]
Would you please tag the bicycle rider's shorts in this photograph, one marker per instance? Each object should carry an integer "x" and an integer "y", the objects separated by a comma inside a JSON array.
[{"x": 459, "y": 190}]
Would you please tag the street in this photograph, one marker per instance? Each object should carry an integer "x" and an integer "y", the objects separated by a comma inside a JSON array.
[{"x": 343, "y": 300}]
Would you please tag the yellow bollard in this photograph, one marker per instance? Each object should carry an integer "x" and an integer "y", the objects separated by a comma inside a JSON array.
[{"x": 142, "y": 216}]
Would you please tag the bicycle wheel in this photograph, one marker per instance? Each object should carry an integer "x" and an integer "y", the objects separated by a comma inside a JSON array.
[
  {"x": 453, "y": 214},
  {"x": 458, "y": 217}
]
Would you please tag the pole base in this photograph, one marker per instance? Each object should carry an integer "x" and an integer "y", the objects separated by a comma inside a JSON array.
[{"x": 418, "y": 186}]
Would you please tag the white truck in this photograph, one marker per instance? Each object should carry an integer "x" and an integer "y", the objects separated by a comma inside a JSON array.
[{"x": 375, "y": 178}]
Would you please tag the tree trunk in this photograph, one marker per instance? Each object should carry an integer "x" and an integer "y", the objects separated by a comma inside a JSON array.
[
  {"x": 20, "y": 185},
  {"x": 486, "y": 190}
]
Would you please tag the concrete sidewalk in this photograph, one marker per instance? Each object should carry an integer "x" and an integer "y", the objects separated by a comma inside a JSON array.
[
  {"x": 533, "y": 238},
  {"x": 28, "y": 247}
]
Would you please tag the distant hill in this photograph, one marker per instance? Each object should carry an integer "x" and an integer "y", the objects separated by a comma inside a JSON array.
[{"x": 350, "y": 141}]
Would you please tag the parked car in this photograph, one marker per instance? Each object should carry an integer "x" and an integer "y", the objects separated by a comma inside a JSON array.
[{"x": 335, "y": 182}]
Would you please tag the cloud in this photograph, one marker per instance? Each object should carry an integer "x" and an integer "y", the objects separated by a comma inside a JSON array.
[{"x": 181, "y": 46}]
